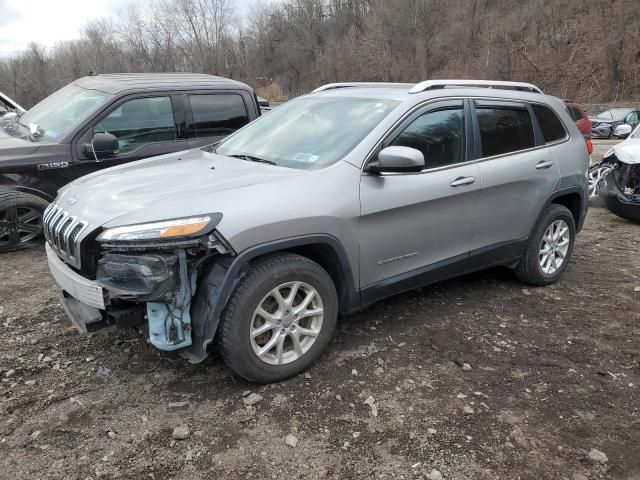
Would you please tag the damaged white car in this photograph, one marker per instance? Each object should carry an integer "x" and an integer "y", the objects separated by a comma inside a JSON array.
[{"x": 617, "y": 178}]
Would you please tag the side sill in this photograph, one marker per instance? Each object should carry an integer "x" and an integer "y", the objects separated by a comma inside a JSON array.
[{"x": 502, "y": 254}]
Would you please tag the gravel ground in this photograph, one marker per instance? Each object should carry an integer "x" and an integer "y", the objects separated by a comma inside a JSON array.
[{"x": 552, "y": 374}]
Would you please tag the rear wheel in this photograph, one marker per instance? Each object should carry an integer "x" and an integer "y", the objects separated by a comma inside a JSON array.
[
  {"x": 20, "y": 220},
  {"x": 549, "y": 249},
  {"x": 279, "y": 319}
]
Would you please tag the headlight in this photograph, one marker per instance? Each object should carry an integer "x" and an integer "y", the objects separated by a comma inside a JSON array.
[{"x": 169, "y": 229}]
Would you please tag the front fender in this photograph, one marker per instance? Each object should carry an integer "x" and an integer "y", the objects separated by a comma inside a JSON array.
[{"x": 218, "y": 283}]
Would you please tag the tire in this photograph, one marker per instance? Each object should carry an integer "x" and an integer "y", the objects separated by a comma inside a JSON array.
[
  {"x": 14, "y": 207},
  {"x": 530, "y": 269},
  {"x": 239, "y": 349}
]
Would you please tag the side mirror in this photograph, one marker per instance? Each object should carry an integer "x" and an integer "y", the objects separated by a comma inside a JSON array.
[
  {"x": 397, "y": 160},
  {"x": 103, "y": 145},
  {"x": 622, "y": 131}
]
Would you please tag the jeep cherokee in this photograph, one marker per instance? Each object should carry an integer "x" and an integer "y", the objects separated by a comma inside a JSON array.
[{"x": 331, "y": 202}]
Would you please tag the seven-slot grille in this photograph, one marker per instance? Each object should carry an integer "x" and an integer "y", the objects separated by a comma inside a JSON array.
[{"x": 62, "y": 231}]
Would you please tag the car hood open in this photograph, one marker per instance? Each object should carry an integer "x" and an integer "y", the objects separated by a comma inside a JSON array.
[{"x": 169, "y": 186}]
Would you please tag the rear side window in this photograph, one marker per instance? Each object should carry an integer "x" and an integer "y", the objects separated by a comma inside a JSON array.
[
  {"x": 504, "y": 129},
  {"x": 552, "y": 128},
  {"x": 217, "y": 115},
  {"x": 575, "y": 114}
]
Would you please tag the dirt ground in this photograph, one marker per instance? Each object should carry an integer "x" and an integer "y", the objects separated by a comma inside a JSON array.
[{"x": 555, "y": 372}]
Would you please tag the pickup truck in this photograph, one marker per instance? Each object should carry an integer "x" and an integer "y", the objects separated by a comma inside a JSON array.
[{"x": 100, "y": 121}]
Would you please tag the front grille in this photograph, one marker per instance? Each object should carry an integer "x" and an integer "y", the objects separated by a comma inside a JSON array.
[{"x": 62, "y": 231}]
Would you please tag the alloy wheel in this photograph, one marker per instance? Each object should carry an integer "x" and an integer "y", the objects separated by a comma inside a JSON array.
[
  {"x": 19, "y": 225},
  {"x": 554, "y": 247},
  {"x": 286, "y": 323}
]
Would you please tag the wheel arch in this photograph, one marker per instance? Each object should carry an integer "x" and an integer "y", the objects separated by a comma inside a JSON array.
[
  {"x": 573, "y": 199},
  {"x": 220, "y": 279},
  {"x": 26, "y": 184}
]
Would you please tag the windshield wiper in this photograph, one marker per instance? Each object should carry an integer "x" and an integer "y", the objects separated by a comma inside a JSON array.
[{"x": 252, "y": 158}]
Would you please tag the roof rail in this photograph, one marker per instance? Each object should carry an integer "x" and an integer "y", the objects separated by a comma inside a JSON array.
[
  {"x": 334, "y": 86},
  {"x": 435, "y": 84}
]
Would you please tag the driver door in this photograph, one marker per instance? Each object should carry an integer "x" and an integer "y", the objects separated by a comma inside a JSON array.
[
  {"x": 144, "y": 126},
  {"x": 412, "y": 224}
]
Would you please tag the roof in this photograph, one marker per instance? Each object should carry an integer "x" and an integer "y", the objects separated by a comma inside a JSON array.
[{"x": 115, "y": 83}]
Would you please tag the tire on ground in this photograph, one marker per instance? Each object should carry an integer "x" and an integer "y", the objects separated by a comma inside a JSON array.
[
  {"x": 529, "y": 269},
  {"x": 233, "y": 337},
  {"x": 12, "y": 199}
]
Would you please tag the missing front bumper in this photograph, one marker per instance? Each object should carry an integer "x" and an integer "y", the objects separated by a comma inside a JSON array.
[{"x": 84, "y": 317}]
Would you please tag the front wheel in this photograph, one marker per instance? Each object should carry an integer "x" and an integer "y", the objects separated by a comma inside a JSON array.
[
  {"x": 20, "y": 220},
  {"x": 279, "y": 319},
  {"x": 549, "y": 249}
]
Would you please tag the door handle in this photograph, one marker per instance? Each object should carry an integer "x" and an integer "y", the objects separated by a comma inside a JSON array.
[
  {"x": 461, "y": 181},
  {"x": 544, "y": 164}
]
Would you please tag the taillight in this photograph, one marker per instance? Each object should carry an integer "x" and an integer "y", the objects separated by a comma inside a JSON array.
[{"x": 589, "y": 146}]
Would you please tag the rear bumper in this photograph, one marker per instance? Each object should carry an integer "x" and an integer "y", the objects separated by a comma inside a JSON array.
[{"x": 86, "y": 291}]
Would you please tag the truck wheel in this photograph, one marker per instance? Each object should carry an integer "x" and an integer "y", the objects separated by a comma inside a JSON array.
[
  {"x": 20, "y": 220},
  {"x": 279, "y": 319},
  {"x": 549, "y": 249}
]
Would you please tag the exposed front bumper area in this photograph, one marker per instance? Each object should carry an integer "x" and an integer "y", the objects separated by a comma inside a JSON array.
[
  {"x": 80, "y": 288},
  {"x": 131, "y": 291}
]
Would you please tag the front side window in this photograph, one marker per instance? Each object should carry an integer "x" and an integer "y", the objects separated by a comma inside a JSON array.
[
  {"x": 139, "y": 122},
  {"x": 218, "y": 115},
  {"x": 632, "y": 119},
  {"x": 309, "y": 132},
  {"x": 61, "y": 111},
  {"x": 504, "y": 129},
  {"x": 550, "y": 124},
  {"x": 439, "y": 135}
]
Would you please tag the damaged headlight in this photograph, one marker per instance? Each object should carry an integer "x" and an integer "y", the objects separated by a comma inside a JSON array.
[
  {"x": 165, "y": 230},
  {"x": 141, "y": 277}
]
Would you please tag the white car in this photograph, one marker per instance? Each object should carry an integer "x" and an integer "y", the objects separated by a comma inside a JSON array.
[{"x": 619, "y": 176}]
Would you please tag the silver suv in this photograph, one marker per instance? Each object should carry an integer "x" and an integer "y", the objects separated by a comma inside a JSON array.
[{"x": 331, "y": 202}]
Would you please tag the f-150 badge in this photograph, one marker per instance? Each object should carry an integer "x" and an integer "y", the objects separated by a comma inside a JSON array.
[{"x": 52, "y": 165}]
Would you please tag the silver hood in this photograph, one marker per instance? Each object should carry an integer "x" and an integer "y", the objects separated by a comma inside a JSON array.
[{"x": 170, "y": 186}]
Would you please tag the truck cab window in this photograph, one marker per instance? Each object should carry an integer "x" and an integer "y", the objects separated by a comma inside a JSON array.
[{"x": 139, "y": 122}]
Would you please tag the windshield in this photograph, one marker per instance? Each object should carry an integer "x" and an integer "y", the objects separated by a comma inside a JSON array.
[
  {"x": 615, "y": 114},
  {"x": 309, "y": 132},
  {"x": 636, "y": 133},
  {"x": 60, "y": 112}
]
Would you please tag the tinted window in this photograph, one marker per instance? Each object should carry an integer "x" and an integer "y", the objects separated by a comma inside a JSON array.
[
  {"x": 139, "y": 122},
  {"x": 504, "y": 130},
  {"x": 439, "y": 135},
  {"x": 552, "y": 128},
  {"x": 575, "y": 114},
  {"x": 216, "y": 115}
]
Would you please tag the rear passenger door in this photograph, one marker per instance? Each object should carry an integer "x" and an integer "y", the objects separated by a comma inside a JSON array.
[
  {"x": 213, "y": 116},
  {"x": 518, "y": 170}
]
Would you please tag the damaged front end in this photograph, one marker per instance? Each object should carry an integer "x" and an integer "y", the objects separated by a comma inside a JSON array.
[
  {"x": 620, "y": 188},
  {"x": 147, "y": 283}
]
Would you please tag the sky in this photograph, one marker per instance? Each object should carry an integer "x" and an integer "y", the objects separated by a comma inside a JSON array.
[{"x": 49, "y": 21}]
